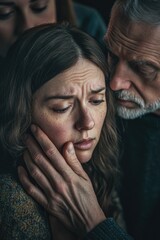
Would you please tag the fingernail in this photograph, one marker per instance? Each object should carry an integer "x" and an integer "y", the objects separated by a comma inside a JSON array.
[
  {"x": 33, "y": 128},
  {"x": 70, "y": 148}
]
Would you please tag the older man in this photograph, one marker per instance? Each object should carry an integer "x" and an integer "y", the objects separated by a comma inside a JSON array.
[{"x": 133, "y": 40}]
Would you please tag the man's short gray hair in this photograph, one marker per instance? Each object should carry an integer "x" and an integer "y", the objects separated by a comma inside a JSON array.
[{"x": 147, "y": 11}]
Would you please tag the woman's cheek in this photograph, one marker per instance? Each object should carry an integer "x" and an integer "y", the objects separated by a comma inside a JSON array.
[
  {"x": 57, "y": 133},
  {"x": 53, "y": 127}
]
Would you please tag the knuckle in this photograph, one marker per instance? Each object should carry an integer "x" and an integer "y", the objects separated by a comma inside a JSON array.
[
  {"x": 30, "y": 190},
  {"x": 68, "y": 175},
  {"x": 50, "y": 193},
  {"x": 37, "y": 157},
  {"x": 57, "y": 199},
  {"x": 54, "y": 206},
  {"x": 70, "y": 180},
  {"x": 61, "y": 188},
  {"x": 34, "y": 173},
  {"x": 50, "y": 152}
]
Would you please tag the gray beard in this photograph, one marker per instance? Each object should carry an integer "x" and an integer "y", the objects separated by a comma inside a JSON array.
[{"x": 133, "y": 113}]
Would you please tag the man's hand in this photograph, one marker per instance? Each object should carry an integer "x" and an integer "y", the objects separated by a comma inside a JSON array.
[{"x": 63, "y": 187}]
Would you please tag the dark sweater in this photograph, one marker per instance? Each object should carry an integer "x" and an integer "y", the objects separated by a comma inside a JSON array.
[
  {"x": 140, "y": 162},
  {"x": 108, "y": 230},
  {"x": 22, "y": 218},
  {"x": 140, "y": 188}
]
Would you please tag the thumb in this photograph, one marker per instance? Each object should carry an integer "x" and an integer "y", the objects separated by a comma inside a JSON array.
[{"x": 72, "y": 160}]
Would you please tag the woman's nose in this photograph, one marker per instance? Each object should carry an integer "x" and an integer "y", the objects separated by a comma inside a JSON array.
[{"x": 85, "y": 120}]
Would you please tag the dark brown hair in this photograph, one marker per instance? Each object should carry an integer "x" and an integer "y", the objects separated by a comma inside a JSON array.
[
  {"x": 39, "y": 55},
  {"x": 65, "y": 11}
]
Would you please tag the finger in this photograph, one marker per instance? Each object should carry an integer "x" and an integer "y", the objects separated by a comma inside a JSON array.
[
  {"x": 41, "y": 176},
  {"x": 46, "y": 176},
  {"x": 53, "y": 204},
  {"x": 72, "y": 160},
  {"x": 32, "y": 190},
  {"x": 50, "y": 150}
]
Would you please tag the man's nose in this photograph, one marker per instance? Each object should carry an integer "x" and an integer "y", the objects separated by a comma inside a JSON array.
[
  {"x": 121, "y": 78},
  {"x": 85, "y": 120}
]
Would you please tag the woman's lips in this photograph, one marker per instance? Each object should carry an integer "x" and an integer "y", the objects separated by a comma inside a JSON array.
[{"x": 84, "y": 144}]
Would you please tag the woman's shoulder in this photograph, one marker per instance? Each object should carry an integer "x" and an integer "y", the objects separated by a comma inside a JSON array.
[
  {"x": 11, "y": 190},
  {"x": 20, "y": 216},
  {"x": 9, "y": 186}
]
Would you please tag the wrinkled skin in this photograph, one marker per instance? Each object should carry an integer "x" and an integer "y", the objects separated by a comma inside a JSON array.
[
  {"x": 134, "y": 59},
  {"x": 71, "y": 106},
  {"x": 135, "y": 62},
  {"x": 67, "y": 190}
]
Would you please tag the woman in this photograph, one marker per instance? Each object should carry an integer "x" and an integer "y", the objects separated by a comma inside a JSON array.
[
  {"x": 55, "y": 77},
  {"x": 16, "y": 16}
]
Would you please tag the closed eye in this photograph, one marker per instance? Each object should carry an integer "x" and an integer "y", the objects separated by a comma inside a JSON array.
[
  {"x": 61, "y": 110},
  {"x": 7, "y": 15},
  {"x": 97, "y": 102},
  {"x": 143, "y": 68},
  {"x": 39, "y": 9}
]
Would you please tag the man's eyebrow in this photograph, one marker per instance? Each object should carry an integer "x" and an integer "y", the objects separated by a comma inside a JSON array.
[
  {"x": 10, "y": 3},
  {"x": 146, "y": 62}
]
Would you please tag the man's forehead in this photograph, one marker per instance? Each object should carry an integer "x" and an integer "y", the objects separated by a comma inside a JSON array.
[
  {"x": 136, "y": 33},
  {"x": 134, "y": 41},
  {"x": 136, "y": 29}
]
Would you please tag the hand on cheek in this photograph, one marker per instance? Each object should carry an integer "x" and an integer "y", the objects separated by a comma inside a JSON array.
[{"x": 63, "y": 187}]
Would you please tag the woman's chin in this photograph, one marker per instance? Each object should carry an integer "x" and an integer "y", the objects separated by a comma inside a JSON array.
[{"x": 83, "y": 157}]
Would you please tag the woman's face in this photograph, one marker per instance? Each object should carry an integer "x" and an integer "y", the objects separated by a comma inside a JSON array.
[
  {"x": 72, "y": 107},
  {"x": 19, "y": 15}
]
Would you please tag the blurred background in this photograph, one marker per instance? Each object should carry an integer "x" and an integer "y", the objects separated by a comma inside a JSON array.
[{"x": 102, "y": 6}]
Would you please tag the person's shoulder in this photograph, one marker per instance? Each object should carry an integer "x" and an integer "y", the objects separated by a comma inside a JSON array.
[
  {"x": 8, "y": 185},
  {"x": 20, "y": 216},
  {"x": 12, "y": 195}
]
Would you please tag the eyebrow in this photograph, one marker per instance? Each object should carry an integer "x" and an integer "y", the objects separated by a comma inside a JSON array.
[
  {"x": 148, "y": 63},
  {"x": 7, "y": 3},
  {"x": 65, "y": 97},
  {"x": 10, "y": 3}
]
